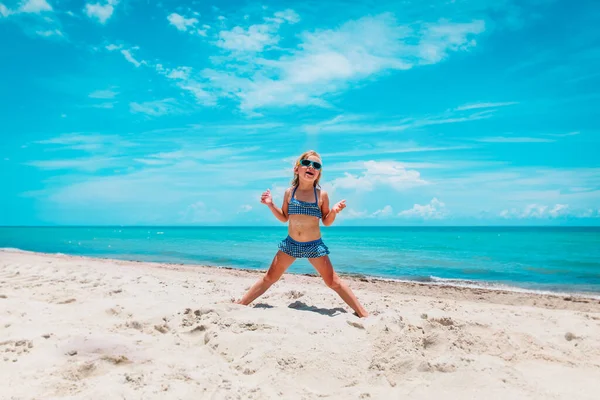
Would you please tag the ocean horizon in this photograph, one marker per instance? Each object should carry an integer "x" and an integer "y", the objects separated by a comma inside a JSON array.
[{"x": 531, "y": 258}]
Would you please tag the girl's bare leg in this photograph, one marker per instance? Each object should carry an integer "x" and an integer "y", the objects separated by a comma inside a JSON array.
[
  {"x": 325, "y": 269},
  {"x": 280, "y": 263}
]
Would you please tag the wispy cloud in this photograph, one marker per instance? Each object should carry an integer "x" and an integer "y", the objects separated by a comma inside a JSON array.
[
  {"x": 351, "y": 124},
  {"x": 101, "y": 11},
  {"x": 485, "y": 105},
  {"x": 326, "y": 61},
  {"x": 41, "y": 19},
  {"x": 4, "y": 11},
  {"x": 103, "y": 94},
  {"x": 129, "y": 57},
  {"x": 157, "y": 108},
  {"x": 394, "y": 148},
  {"x": 323, "y": 63},
  {"x": 99, "y": 152},
  {"x": 89, "y": 164},
  {"x": 85, "y": 142},
  {"x": 127, "y": 53},
  {"x": 50, "y": 33},
  {"x": 514, "y": 139},
  {"x": 574, "y": 133},
  {"x": 182, "y": 76}
]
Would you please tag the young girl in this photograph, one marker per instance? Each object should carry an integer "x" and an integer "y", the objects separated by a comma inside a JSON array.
[{"x": 303, "y": 206}]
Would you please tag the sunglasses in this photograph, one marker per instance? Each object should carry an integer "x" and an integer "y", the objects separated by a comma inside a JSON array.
[{"x": 307, "y": 163}]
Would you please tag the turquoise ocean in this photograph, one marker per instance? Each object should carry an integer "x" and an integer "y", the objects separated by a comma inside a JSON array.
[{"x": 555, "y": 259}]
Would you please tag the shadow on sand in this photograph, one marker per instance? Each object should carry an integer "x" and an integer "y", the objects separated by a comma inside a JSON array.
[
  {"x": 298, "y": 305},
  {"x": 263, "y": 305}
]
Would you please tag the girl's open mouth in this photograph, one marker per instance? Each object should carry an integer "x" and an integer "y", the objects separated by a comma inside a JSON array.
[{"x": 310, "y": 173}]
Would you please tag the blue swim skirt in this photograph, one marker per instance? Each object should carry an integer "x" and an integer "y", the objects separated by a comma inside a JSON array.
[{"x": 312, "y": 249}]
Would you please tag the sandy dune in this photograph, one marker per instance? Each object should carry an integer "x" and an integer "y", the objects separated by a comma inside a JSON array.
[{"x": 74, "y": 327}]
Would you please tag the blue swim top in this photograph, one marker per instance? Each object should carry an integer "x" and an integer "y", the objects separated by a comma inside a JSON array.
[{"x": 304, "y": 207}]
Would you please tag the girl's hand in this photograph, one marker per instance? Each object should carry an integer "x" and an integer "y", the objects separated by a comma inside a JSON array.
[
  {"x": 266, "y": 198},
  {"x": 339, "y": 206}
]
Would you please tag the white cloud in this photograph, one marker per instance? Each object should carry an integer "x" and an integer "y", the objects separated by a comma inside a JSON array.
[
  {"x": 559, "y": 209},
  {"x": 434, "y": 210},
  {"x": 386, "y": 173},
  {"x": 180, "y": 22},
  {"x": 103, "y": 94},
  {"x": 384, "y": 212},
  {"x": 508, "y": 139},
  {"x": 485, "y": 105},
  {"x": 113, "y": 47},
  {"x": 101, "y": 12},
  {"x": 182, "y": 73},
  {"x": 288, "y": 15},
  {"x": 35, "y": 6},
  {"x": 156, "y": 108},
  {"x": 536, "y": 211},
  {"x": 438, "y": 39},
  {"x": 255, "y": 38}
]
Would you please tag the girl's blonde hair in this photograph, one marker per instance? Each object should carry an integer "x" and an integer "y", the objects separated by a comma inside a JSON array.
[{"x": 306, "y": 154}]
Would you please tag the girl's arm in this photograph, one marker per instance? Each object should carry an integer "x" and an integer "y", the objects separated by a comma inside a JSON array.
[
  {"x": 281, "y": 213},
  {"x": 330, "y": 214}
]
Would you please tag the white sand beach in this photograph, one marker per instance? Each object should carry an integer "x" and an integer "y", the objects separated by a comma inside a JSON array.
[{"x": 83, "y": 328}]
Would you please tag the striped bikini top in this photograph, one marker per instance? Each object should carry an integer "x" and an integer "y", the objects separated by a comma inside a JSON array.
[{"x": 304, "y": 207}]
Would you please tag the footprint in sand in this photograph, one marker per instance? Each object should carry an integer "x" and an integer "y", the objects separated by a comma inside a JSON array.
[
  {"x": 289, "y": 363},
  {"x": 79, "y": 370},
  {"x": 294, "y": 294},
  {"x": 136, "y": 380},
  {"x": 13, "y": 349},
  {"x": 401, "y": 348}
]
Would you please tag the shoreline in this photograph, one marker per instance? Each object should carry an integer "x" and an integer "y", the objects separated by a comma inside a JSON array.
[{"x": 502, "y": 295}]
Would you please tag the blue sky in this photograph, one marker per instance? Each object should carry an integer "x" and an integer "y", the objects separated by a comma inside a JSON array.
[{"x": 425, "y": 112}]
